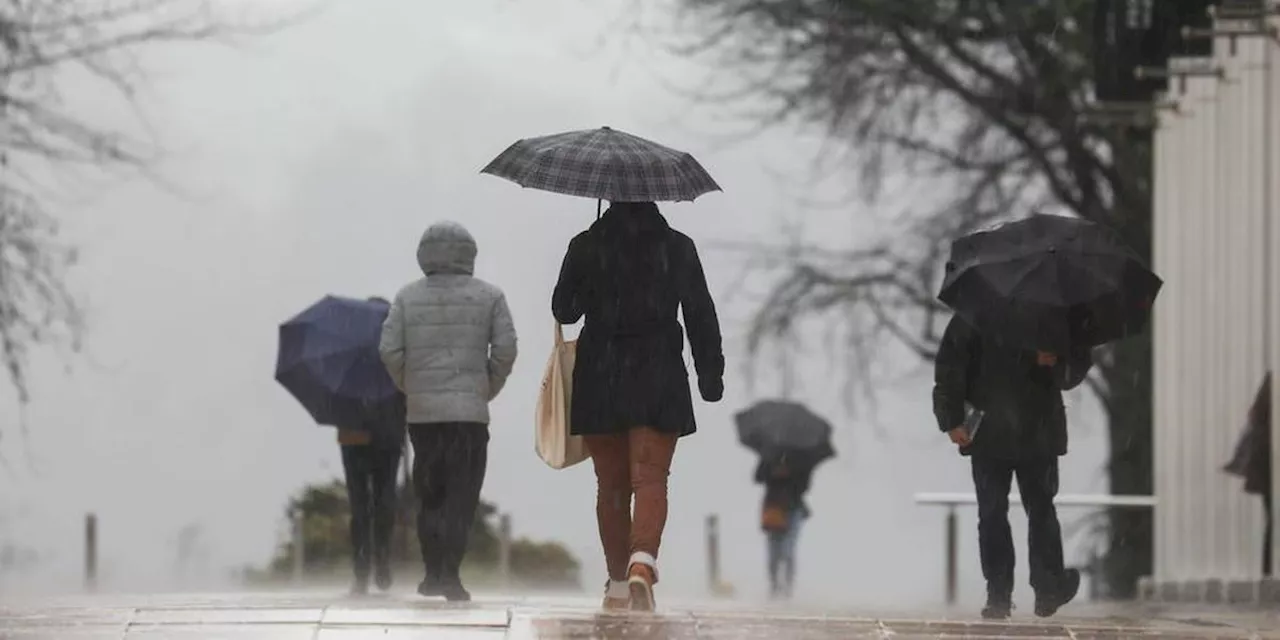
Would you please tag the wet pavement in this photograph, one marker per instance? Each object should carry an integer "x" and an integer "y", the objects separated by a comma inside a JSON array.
[{"x": 321, "y": 616}]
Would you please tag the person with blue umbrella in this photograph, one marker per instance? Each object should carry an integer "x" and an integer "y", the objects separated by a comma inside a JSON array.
[{"x": 329, "y": 361}]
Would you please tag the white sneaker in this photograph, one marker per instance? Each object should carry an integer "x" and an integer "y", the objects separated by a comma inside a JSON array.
[
  {"x": 617, "y": 595},
  {"x": 641, "y": 576}
]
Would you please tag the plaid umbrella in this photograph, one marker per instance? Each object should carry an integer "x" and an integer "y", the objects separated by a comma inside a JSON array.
[{"x": 603, "y": 163}]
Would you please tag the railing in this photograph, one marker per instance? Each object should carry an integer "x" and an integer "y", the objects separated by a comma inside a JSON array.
[{"x": 953, "y": 500}]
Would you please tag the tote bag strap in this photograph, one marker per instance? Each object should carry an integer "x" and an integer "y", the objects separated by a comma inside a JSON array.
[{"x": 559, "y": 334}]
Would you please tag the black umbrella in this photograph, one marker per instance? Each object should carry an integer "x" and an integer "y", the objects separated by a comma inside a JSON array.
[
  {"x": 1050, "y": 283},
  {"x": 773, "y": 426}
]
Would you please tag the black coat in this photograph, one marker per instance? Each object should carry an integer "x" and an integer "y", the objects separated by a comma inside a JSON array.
[
  {"x": 1252, "y": 458},
  {"x": 1024, "y": 416},
  {"x": 785, "y": 485},
  {"x": 386, "y": 425},
  {"x": 628, "y": 275}
]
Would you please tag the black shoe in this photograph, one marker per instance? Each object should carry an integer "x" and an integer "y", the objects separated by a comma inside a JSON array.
[
  {"x": 997, "y": 609},
  {"x": 382, "y": 576},
  {"x": 1048, "y": 604},
  {"x": 456, "y": 593},
  {"x": 430, "y": 587}
]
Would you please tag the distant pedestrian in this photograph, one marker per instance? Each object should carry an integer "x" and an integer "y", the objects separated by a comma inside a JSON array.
[
  {"x": 786, "y": 479},
  {"x": 1022, "y": 432},
  {"x": 450, "y": 344},
  {"x": 629, "y": 275},
  {"x": 370, "y": 459},
  {"x": 1252, "y": 461}
]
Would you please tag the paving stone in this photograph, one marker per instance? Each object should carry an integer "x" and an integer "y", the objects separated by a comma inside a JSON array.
[
  {"x": 222, "y": 632},
  {"x": 323, "y": 616},
  {"x": 228, "y": 615},
  {"x": 9, "y": 632},
  {"x": 444, "y": 632},
  {"x": 421, "y": 614}
]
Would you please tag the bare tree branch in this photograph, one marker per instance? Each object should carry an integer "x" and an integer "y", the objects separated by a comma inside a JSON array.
[
  {"x": 42, "y": 44},
  {"x": 983, "y": 98}
]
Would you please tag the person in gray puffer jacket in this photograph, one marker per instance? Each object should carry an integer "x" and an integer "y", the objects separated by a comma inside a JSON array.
[{"x": 449, "y": 343}]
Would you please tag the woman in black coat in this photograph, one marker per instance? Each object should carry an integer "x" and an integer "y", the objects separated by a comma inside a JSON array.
[{"x": 628, "y": 275}]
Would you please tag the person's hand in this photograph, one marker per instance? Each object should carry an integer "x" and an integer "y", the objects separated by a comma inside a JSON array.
[
  {"x": 711, "y": 390},
  {"x": 959, "y": 437},
  {"x": 1046, "y": 359}
]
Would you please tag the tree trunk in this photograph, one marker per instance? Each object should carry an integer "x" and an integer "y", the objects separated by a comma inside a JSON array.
[
  {"x": 1128, "y": 399},
  {"x": 1128, "y": 405}
]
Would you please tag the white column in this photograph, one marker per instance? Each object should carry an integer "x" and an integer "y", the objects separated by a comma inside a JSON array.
[
  {"x": 1272, "y": 212},
  {"x": 1226, "y": 310},
  {"x": 1182, "y": 193},
  {"x": 1164, "y": 340},
  {"x": 1205, "y": 516},
  {"x": 1246, "y": 214}
]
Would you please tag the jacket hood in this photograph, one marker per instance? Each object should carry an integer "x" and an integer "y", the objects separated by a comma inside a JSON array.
[{"x": 447, "y": 248}]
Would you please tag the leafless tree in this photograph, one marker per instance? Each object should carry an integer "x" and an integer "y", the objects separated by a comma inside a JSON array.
[
  {"x": 44, "y": 44},
  {"x": 987, "y": 103}
]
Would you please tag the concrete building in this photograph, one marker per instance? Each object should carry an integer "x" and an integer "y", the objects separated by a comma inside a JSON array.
[{"x": 1217, "y": 322}]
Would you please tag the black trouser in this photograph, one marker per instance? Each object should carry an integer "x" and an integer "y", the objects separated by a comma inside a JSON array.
[
  {"x": 449, "y": 461},
  {"x": 1037, "y": 484},
  {"x": 371, "y": 490}
]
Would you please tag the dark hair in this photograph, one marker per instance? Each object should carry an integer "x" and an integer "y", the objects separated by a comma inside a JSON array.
[
  {"x": 378, "y": 299},
  {"x": 632, "y": 208}
]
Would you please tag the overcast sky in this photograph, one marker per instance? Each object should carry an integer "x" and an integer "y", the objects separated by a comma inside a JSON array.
[{"x": 309, "y": 163}]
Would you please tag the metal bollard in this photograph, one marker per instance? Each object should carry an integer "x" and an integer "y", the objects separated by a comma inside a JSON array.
[
  {"x": 91, "y": 551},
  {"x": 1095, "y": 576},
  {"x": 713, "y": 553},
  {"x": 951, "y": 568},
  {"x": 299, "y": 541},
  {"x": 504, "y": 550}
]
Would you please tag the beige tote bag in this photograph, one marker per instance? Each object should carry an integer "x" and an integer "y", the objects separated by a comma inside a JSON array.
[{"x": 551, "y": 436}]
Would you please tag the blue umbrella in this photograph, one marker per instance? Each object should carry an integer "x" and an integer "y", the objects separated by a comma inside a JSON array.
[{"x": 328, "y": 359}]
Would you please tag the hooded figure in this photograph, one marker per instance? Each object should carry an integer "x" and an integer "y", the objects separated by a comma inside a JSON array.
[{"x": 449, "y": 343}]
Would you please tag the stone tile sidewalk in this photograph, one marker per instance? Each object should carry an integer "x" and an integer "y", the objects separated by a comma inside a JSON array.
[{"x": 322, "y": 616}]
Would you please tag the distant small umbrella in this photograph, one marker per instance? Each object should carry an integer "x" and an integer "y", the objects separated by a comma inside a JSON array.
[{"x": 772, "y": 426}]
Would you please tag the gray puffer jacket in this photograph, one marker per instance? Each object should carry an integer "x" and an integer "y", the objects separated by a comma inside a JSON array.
[{"x": 449, "y": 341}]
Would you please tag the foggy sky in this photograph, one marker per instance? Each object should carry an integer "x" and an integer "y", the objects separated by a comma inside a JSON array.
[{"x": 309, "y": 163}]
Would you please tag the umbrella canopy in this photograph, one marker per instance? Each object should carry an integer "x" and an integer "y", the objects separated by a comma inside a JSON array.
[
  {"x": 1050, "y": 283},
  {"x": 773, "y": 426},
  {"x": 328, "y": 359},
  {"x": 603, "y": 163}
]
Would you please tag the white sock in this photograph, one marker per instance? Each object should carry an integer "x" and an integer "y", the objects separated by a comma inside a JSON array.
[{"x": 618, "y": 589}]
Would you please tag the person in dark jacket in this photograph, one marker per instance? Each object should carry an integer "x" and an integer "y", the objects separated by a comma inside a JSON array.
[
  {"x": 1022, "y": 432},
  {"x": 786, "y": 480},
  {"x": 1252, "y": 461},
  {"x": 370, "y": 459},
  {"x": 629, "y": 275}
]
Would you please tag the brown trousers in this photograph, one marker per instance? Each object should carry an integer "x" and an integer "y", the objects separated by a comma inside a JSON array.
[{"x": 637, "y": 462}]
